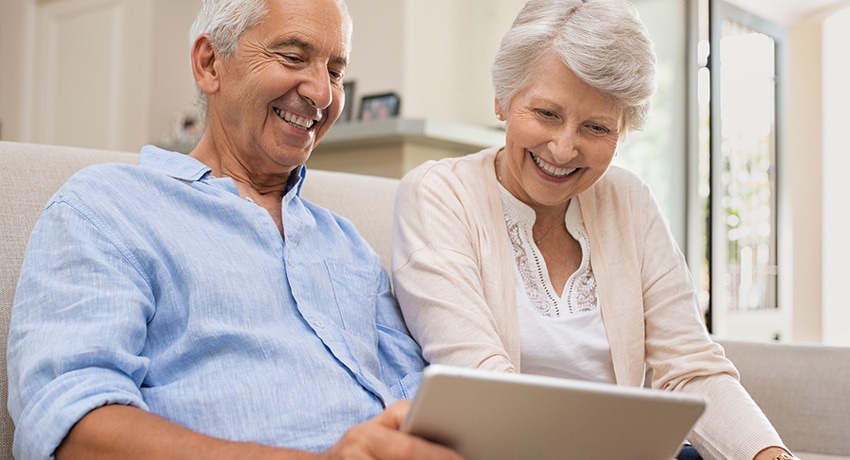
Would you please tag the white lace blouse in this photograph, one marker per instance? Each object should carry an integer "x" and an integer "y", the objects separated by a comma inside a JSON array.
[{"x": 559, "y": 336}]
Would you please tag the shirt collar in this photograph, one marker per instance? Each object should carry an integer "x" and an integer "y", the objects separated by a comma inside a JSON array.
[
  {"x": 173, "y": 164},
  {"x": 185, "y": 168}
]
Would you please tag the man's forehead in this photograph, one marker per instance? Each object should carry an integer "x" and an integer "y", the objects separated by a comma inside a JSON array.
[
  {"x": 306, "y": 24},
  {"x": 327, "y": 13}
]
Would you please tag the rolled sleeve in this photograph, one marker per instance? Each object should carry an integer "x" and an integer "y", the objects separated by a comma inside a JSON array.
[{"x": 74, "y": 303}]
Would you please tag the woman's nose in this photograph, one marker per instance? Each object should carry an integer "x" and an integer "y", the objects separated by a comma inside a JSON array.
[{"x": 563, "y": 147}]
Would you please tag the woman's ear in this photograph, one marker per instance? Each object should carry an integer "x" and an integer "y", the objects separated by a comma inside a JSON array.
[
  {"x": 498, "y": 108},
  {"x": 204, "y": 67}
]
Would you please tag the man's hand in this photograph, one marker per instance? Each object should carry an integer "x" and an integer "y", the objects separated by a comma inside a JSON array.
[
  {"x": 380, "y": 438},
  {"x": 125, "y": 432}
]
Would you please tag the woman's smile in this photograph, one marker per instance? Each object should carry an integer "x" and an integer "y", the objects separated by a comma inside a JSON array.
[{"x": 551, "y": 170}]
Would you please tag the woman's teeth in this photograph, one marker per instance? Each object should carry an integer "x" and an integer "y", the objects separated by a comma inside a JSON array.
[
  {"x": 301, "y": 122},
  {"x": 552, "y": 170}
]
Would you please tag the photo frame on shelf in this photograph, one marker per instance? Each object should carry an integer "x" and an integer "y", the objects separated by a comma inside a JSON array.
[
  {"x": 379, "y": 106},
  {"x": 348, "y": 111}
]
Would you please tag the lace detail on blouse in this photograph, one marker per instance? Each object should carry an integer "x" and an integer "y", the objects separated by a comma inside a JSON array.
[
  {"x": 580, "y": 291},
  {"x": 542, "y": 298}
]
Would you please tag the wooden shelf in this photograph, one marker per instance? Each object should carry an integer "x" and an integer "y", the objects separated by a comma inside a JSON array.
[{"x": 392, "y": 147}]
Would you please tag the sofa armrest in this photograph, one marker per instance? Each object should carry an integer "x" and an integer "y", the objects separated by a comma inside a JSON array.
[{"x": 804, "y": 389}]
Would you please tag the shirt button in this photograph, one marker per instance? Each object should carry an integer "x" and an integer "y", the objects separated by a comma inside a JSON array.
[
  {"x": 319, "y": 324},
  {"x": 291, "y": 262}
]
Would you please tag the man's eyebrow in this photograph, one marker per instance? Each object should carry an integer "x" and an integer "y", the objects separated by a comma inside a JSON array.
[
  {"x": 293, "y": 41},
  {"x": 306, "y": 46}
]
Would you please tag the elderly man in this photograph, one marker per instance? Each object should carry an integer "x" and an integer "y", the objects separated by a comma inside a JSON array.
[{"x": 195, "y": 306}]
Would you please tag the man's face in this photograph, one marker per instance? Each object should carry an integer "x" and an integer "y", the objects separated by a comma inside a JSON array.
[{"x": 282, "y": 89}]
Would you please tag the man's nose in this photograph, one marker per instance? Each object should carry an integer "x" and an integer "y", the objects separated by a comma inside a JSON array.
[{"x": 316, "y": 87}]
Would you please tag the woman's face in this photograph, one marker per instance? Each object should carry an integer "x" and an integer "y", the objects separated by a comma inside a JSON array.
[{"x": 561, "y": 136}]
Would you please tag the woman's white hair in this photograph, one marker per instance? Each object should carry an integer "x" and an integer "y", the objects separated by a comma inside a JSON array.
[
  {"x": 602, "y": 41},
  {"x": 224, "y": 21}
]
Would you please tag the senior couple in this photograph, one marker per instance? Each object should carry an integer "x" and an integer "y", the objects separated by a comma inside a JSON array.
[{"x": 197, "y": 307}]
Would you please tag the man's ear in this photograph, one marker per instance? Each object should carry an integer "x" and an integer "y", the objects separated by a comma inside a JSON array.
[{"x": 204, "y": 65}]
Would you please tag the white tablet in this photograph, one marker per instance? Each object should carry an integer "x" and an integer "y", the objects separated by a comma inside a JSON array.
[{"x": 496, "y": 416}]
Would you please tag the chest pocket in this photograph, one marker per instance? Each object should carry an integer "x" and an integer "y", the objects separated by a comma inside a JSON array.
[{"x": 355, "y": 295}]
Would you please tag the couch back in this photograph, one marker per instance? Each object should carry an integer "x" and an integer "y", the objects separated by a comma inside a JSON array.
[{"x": 31, "y": 173}]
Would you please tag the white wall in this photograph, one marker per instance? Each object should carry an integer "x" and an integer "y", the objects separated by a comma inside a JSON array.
[
  {"x": 435, "y": 53},
  {"x": 12, "y": 28},
  {"x": 155, "y": 72},
  {"x": 377, "y": 49},
  {"x": 800, "y": 227},
  {"x": 836, "y": 186},
  {"x": 817, "y": 248},
  {"x": 451, "y": 50},
  {"x": 171, "y": 81}
]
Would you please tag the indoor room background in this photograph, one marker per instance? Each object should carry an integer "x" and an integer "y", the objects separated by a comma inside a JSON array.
[{"x": 742, "y": 149}]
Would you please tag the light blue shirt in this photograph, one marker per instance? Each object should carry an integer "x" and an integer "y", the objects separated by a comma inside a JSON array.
[{"x": 159, "y": 287}]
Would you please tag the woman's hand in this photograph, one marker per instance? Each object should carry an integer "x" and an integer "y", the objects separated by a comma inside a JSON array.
[{"x": 771, "y": 453}]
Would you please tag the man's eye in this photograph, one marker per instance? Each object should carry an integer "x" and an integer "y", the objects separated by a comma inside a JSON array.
[{"x": 292, "y": 58}]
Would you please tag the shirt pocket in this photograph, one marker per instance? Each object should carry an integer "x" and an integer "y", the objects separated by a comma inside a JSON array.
[
  {"x": 407, "y": 386},
  {"x": 355, "y": 291}
]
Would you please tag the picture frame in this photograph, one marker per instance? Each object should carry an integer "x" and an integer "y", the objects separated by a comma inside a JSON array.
[
  {"x": 348, "y": 110},
  {"x": 379, "y": 106}
]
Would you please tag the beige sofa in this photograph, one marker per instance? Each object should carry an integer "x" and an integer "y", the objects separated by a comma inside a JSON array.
[{"x": 804, "y": 390}]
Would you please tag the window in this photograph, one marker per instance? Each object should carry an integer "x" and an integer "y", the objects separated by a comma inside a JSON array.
[
  {"x": 710, "y": 153},
  {"x": 738, "y": 158}
]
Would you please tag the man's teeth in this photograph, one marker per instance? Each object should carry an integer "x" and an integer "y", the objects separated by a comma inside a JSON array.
[
  {"x": 300, "y": 122},
  {"x": 551, "y": 170}
]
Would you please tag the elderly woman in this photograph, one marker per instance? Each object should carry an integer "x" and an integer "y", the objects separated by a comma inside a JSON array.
[{"x": 540, "y": 257}]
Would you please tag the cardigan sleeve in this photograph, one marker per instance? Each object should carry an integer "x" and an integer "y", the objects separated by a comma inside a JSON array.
[
  {"x": 454, "y": 305},
  {"x": 676, "y": 342}
]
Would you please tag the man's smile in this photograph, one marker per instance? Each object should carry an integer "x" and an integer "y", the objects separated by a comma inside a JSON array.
[{"x": 295, "y": 120}]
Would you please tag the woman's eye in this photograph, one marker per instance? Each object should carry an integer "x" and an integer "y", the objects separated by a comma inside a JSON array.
[
  {"x": 546, "y": 113},
  {"x": 598, "y": 129}
]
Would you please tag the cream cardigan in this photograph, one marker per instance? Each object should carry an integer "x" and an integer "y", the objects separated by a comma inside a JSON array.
[{"x": 452, "y": 272}]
